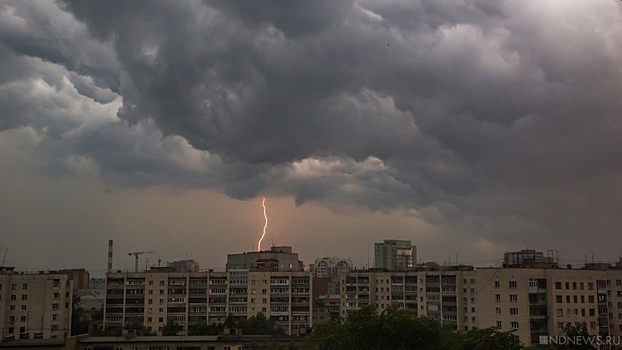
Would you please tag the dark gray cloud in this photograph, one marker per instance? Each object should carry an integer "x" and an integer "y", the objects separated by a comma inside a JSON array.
[{"x": 498, "y": 119}]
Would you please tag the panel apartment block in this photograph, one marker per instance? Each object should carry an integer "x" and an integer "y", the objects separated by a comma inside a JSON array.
[
  {"x": 34, "y": 306},
  {"x": 154, "y": 298}
]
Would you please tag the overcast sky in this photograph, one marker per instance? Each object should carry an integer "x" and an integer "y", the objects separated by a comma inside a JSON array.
[{"x": 469, "y": 127}]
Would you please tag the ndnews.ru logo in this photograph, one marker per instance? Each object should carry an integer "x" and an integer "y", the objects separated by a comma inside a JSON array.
[{"x": 580, "y": 340}]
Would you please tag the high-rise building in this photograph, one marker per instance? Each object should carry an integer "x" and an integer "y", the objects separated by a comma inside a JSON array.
[
  {"x": 34, "y": 306},
  {"x": 395, "y": 255},
  {"x": 154, "y": 298}
]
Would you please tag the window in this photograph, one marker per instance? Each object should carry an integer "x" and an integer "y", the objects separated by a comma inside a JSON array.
[
  {"x": 514, "y": 325},
  {"x": 24, "y": 307},
  {"x": 150, "y": 291},
  {"x": 497, "y": 284},
  {"x": 574, "y": 285},
  {"x": 14, "y": 287},
  {"x": 576, "y": 299},
  {"x": 24, "y": 297},
  {"x": 54, "y": 317},
  {"x": 22, "y": 319},
  {"x": 498, "y": 311},
  {"x": 512, "y": 284},
  {"x": 25, "y": 286},
  {"x": 498, "y": 324},
  {"x": 514, "y": 311},
  {"x": 12, "y": 307},
  {"x": 558, "y": 285},
  {"x": 497, "y": 297},
  {"x": 560, "y": 326},
  {"x": 560, "y": 312},
  {"x": 56, "y": 283},
  {"x": 558, "y": 298},
  {"x": 567, "y": 285},
  {"x": 13, "y": 297},
  {"x": 513, "y": 298},
  {"x": 590, "y": 285},
  {"x": 151, "y": 283},
  {"x": 54, "y": 328},
  {"x": 56, "y": 295},
  {"x": 568, "y": 298},
  {"x": 55, "y": 306},
  {"x": 581, "y": 286},
  {"x": 590, "y": 298}
]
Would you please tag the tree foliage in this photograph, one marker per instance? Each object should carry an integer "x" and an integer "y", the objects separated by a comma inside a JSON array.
[{"x": 396, "y": 329}]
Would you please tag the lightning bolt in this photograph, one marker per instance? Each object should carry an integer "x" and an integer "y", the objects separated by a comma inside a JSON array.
[{"x": 263, "y": 204}]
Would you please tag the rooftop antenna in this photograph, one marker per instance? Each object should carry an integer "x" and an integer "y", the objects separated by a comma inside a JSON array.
[
  {"x": 367, "y": 250},
  {"x": 4, "y": 256}
]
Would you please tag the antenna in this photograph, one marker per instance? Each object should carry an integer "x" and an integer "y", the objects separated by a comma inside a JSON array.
[
  {"x": 368, "y": 250},
  {"x": 4, "y": 256}
]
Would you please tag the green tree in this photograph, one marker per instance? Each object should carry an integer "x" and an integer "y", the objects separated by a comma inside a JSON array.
[
  {"x": 489, "y": 339},
  {"x": 78, "y": 325},
  {"x": 171, "y": 328},
  {"x": 577, "y": 332}
]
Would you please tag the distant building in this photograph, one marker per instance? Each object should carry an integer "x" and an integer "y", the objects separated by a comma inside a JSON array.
[
  {"x": 34, "y": 305},
  {"x": 528, "y": 258},
  {"x": 184, "y": 266},
  {"x": 395, "y": 254},
  {"x": 331, "y": 267},
  {"x": 80, "y": 277},
  {"x": 280, "y": 258}
]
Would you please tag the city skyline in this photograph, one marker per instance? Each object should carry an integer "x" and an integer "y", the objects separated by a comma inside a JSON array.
[{"x": 470, "y": 129}]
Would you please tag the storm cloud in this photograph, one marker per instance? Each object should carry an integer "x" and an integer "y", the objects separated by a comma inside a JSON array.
[{"x": 491, "y": 119}]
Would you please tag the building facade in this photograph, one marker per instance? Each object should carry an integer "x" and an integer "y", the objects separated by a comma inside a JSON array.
[
  {"x": 154, "y": 298},
  {"x": 34, "y": 306},
  {"x": 331, "y": 267},
  {"x": 534, "y": 303},
  {"x": 395, "y": 255}
]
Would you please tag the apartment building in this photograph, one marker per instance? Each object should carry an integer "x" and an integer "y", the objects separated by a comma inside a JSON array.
[
  {"x": 395, "y": 254},
  {"x": 531, "y": 302},
  {"x": 154, "y": 298},
  {"x": 34, "y": 305},
  {"x": 433, "y": 293}
]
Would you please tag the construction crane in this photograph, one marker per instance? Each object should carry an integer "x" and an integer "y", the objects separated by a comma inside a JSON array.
[{"x": 136, "y": 254}]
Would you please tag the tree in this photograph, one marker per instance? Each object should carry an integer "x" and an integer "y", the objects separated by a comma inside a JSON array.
[
  {"x": 489, "y": 339},
  {"x": 575, "y": 333},
  {"x": 203, "y": 328},
  {"x": 402, "y": 329},
  {"x": 171, "y": 328}
]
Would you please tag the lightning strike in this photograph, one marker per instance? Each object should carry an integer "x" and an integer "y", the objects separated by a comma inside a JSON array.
[{"x": 263, "y": 204}]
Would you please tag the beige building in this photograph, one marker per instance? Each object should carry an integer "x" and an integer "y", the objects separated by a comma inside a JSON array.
[
  {"x": 154, "y": 298},
  {"x": 531, "y": 302},
  {"x": 34, "y": 306}
]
